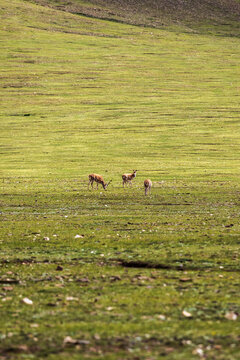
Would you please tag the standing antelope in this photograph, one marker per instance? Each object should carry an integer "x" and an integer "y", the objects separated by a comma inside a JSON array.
[
  {"x": 98, "y": 179},
  {"x": 127, "y": 178},
  {"x": 147, "y": 186}
]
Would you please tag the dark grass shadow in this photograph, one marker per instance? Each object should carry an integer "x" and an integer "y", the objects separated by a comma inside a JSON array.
[{"x": 189, "y": 265}]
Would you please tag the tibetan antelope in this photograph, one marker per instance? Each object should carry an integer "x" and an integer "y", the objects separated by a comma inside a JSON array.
[
  {"x": 127, "y": 178},
  {"x": 147, "y": 186},
  {"x": 98, "y": 179}
]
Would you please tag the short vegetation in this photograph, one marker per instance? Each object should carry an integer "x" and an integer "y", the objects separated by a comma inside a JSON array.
[{"x": 115, "y": 274}]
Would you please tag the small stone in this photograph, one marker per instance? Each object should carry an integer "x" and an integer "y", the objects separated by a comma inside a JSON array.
[
  {"x": 27, "y": 301},
  {"x": 71, "y": 298},
  {"x": 7, "y": 288},
  {"x": 161, "y": 317},
  {"x": 78, "y": 236},
  {"x": 186, "y": 313},
  {"x": 231, "y": 315},
  {"x": 198, "y": 351}
]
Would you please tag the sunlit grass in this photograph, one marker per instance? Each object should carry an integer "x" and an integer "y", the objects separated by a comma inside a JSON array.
[{"x": 81, "y": 95}]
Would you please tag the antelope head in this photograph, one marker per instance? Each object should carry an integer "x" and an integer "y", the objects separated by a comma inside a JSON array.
[{"x": 106, "y": 185}]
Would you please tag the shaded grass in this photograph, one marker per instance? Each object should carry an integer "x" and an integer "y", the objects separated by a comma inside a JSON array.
[{"x": 220, "y": 18}]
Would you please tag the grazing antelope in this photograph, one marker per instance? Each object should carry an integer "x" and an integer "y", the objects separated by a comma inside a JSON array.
[
  {"x": 98, "y": 179},
  {"x": 147, "y": 186},
  {"x": 127, "y": 178}
]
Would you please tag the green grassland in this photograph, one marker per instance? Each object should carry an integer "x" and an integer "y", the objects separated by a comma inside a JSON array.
[{"x": 82, "y": 95}]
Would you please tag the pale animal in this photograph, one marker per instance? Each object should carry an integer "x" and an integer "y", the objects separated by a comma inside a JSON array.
[
  {"x": 127, "y": 178},
  {"x": 147, "y": 186},
  {"x": 98, "y": 179}
]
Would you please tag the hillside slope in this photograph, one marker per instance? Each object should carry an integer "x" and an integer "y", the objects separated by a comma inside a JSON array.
[
  {"x": 75, "y": 91},
  {"x": 114, "y": 274},
  {"x": 216, "y": 16}
]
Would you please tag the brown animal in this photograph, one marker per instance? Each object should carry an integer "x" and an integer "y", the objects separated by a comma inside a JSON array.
[
  {"x": 98, "y": 179},
  {"x": 127, "y": 178},
  {"x": 147, "y": 186}
]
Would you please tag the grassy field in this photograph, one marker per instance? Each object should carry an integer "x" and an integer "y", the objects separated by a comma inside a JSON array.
[{"x": 114, "y": 274}]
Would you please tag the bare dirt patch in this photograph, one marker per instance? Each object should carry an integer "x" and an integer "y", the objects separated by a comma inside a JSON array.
[{"x": 155, "y": 13}]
